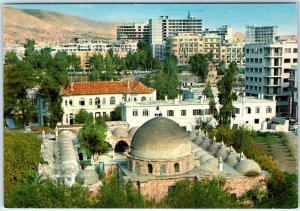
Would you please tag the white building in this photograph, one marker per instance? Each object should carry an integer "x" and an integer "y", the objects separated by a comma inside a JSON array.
[
  {"x": 293, "y": 100},
  {"x": 134, "y": 31},
  {"x": 261, "y": 34},
  {"x": 225, "y": 32},
  {"x": 160, "y": 29},
  {"x": 250, "y": 111},
  {"x": 267, "y": 70},
  {"x": 102, "y": 97},
  {"x": 235, "y": 53}
]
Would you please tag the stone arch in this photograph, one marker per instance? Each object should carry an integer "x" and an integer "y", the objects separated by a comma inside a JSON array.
[{"x": 121, "y": 146}]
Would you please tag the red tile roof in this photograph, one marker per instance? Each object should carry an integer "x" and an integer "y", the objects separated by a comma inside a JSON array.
[{"x": 106, "y": 87}]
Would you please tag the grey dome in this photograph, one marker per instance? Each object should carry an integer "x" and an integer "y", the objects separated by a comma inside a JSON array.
[
  {"x": 205, "y": 157},
  {"x": 214, "y": 147},
  {"x": 120, "y": 132},
  {"x": 232, "y": 159},
  {"x": 198, "y": 140},
  {"x": 213, "y": 161},
  {"x": 247, "y": 165},
  {"x": 66, "y": 134},
  {"x": 205, "y": 144},
  {"x": 199, "y": 153},
  {"x": 132, "y": 131},
  {"x": 208, "y": 166},
  {"x": 160, "y": 138},
  {"x": 223, "y": 152},
  {"x": 192, "y": 135},
  {"x": 88, "y": 176}
]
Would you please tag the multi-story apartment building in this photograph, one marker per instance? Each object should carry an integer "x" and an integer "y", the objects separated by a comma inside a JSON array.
[
  {"x": 184, "y": 45},
  {"x": 102, "y": 97},
  {"x": 212, "y": 44},
  {"x": 160, "y": 29},
  {"x": 134, "y": 31},
  {"x": 261, "y": 34},
  {"x": 225, "y": 32},
  {"x": 267, "y": 70},
  {"x": 234, "y": 52},
  {"x": 293, "y": 100},
  {"x": 87, "y": 48}
]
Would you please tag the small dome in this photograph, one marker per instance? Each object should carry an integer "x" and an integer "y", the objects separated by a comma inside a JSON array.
[
  {"x": 192, "y": 135},
  {"x": 208, "y": 166},
  {"x": 213, "y": 161},
  {"x": 232, "y": 159},
  {"x": 214, "y": 147},
  {"x": 223, "y": 152},
  {"x": 248, "y": 165},
  {"x": 66, "y": 134},
  {"x": 88, "y": 176},
  {"x": 120, "y": 132},
  {"x": 205, "y": 144},
  {"x": 198, "y": 140},
  {"x": 132, "y": 131},
  {"x": 205, "y": 157},
  {"x": 200, "y": 153},
  {"x": 160, "y": 138}
]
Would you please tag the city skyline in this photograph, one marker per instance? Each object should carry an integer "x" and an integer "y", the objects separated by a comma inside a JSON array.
[{"x": 283, "y": 15}]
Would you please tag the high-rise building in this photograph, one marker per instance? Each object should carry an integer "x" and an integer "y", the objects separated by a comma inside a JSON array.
[
  {"x": 160, "y": 29},
  {"x": 261, "y": 34},
  {"x": 267, "y": 71},
  {"x": 212, "y": 44},
  {"x": 225, "y": 32},
  {"x": 134, "y": 31},
  {"x": 234, "y": 52}
]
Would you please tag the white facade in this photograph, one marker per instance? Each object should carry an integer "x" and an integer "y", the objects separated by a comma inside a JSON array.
[
  {"x": 225, "y": 32},
  {"x": 134, "y": 31},
  {"x": 250, "y": 111},
  {"x": 99, "y": 104},
  {"x": 235, "y": 53},
  {"x": 267, "y": 70},
  {"x": 261, "y": 34}
]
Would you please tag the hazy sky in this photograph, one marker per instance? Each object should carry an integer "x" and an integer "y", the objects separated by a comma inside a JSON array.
[{"x": 213, "y": 15}]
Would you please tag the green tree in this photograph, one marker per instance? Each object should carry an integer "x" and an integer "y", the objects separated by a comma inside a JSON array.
[
  {"x": 18, "y": 79},
  {"x": 200, "y": 194},
  {"x": 83, "y": 116},
  {"x": 199, "y": 65},
  {"x": 221, "y": 69},
  {"x": 11, "y": 58},
  {"x": 226, "y": 96},
  {"x": 92, "y": 136},
  {"x": 208, "y": 91}
]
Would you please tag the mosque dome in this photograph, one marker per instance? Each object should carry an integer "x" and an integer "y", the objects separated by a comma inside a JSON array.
[
  {"x": 160, "y": 139},
  {"x": 214, "y": 147},
  {"x": 120, "y": 132},
  {"x": 223, "y": 152},
  {"x": 247, "y": 165},
  {"x": 198, "y": 140},
  {"x": 232, "y": 159},
  {"x": 205, "y": 144},
  {"x": 132, "y": 131}
]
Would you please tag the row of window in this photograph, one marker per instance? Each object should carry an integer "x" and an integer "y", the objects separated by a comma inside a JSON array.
[
  {"x": 256, "y": 70},
  {"x": 253, "y": 60},
  {"x": 196, "y": 112},
  {"x": 97, "y": 101},
  {"x": 256, "y": 110}
]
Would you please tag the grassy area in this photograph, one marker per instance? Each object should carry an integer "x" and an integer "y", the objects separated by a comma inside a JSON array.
[{"x": 269, "y": 139}]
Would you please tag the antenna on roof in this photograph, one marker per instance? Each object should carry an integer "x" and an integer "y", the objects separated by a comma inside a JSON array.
[{"x": 189, "y": 15}]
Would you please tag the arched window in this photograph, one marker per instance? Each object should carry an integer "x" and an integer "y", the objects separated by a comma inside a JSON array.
[
  {"x": 134, "y": 99},
  {"x": 143, "y": 99},
  {"x": 91, "y": 101},
  {"x": 70, "y": 102},
  {"x": 112, "y": 100},
  {"x": 176, "y": 167},
  {"x": 150, "y": 168},
  {"x": 66, "y": 103},
  {"x": 97, "y": 101},
  {"x": 103, "y": 101},
  {"x": 81, "y": 101}
]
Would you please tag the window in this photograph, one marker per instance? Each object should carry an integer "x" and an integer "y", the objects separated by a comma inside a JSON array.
[
  {"x": 183, "y": 112},
  {"x": 81, "y": 101},
  {"x": 91, "y": 101},
  {"x": 70, "y": 102},
  {"x": 145, "y": 112},
  {"x": 135, "y": 113},
  {"x": 256, "y": 121},
  {"x": 286, "y": 70},
  {"x": 112, "y": 100},
  {"x": 197, "y": 112},
  {"x": 157, "y": 108},
  {"x": 287, "y": 50},
  {"x": 294, "y": 60},
  {"x": 295, "y": 50},
  {"x": 104, "y": 101},
  {"x": 287, "y": 60},
  {"x": 269, "y": 109},
  {"x": 66, "y": 103},
  {"x": 134, "y": 99},
  {"x": 150, "y": 168},
  {"x": 143, "y": 99},
  {"x": 207, "y": 112},
  {"x": 237, "y": 110},
  {"x": 257, "y": 110},
  {"x": 176, "y": 167},
  {"x": 163, "y": 169},
  {"x": 285, "y": 80},
  {"x": 170, "y": 113},
  {"x": 97, "y": 101},
  {"x": 248, "y": 110}
]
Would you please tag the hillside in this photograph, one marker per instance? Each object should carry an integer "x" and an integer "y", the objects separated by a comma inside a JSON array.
[{"x": 50, "y": 27}]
